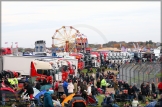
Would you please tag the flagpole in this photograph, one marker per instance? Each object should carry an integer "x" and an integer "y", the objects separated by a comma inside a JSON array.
[{"x": 12, "y": 47}]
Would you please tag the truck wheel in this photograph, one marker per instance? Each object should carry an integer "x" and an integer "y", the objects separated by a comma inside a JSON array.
[
  {"x": 8, "y": 75},
  {"x": 74, "y": 67}
]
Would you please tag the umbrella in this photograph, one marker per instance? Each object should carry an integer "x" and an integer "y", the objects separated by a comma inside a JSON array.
[
  {"x": 45, "y": 87},
  {"x": 36, "y": 91},
  {"x": 67, "y": 99},
  {"x": 39, "y": 94},
  {"x": 37, "y": 97}
]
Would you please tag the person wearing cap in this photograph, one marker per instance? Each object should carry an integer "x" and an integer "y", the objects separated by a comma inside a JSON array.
[{"x": 70, "y": 87}]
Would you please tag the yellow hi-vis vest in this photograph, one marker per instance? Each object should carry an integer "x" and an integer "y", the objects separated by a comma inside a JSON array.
[
  {"x": 15, "y": 81},
  {"x": 11, "y": 81}
]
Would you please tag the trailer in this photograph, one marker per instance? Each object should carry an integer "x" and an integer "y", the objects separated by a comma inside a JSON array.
[
  {"x": 26, "y": 66},
  {"x": 18, "y": 63}
]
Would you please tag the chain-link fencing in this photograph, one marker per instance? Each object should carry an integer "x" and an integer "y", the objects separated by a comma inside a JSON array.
[{"x": 140, "y": 72}]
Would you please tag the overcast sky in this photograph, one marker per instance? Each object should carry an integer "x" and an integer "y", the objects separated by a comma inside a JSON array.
[{"x": 26, "y": 22}]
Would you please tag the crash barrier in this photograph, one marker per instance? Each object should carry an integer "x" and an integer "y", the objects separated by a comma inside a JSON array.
[{"x": 140, "y": 72}]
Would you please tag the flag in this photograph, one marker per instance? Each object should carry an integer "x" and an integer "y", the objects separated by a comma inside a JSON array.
[
  {"x": 123, "y": 49},
  {"x": 134, "y": 46},
  {"x": 138, "y": 47},
  {"x": 6, "y": 42},
  {"x": 16, "y": 42},
  {"x": 101, "y": 45}
]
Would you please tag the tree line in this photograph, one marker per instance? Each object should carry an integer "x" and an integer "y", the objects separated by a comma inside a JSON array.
[{"x": 112, "y": 44}]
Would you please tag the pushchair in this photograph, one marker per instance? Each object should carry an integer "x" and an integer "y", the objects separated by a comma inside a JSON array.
[
  {"x": 25, "y": 99},
  {"x": 35, "y": 100},
  {"x": 76, "y": 103},
  {"x": 99, "y": 90},
  {"x": 92, "y": 101}
]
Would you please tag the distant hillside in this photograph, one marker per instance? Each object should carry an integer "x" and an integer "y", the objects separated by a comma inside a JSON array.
[{"x": 114, "y": 44}]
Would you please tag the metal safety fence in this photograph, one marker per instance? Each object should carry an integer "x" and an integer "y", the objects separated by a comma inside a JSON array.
[{"x": 140, "y": 72}]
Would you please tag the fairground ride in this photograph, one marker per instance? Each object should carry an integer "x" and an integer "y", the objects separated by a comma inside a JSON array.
[{"x": 69, "y": 39}]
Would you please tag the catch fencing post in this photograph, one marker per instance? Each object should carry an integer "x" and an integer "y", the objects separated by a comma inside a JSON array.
[
  {"x": 130, "y": 73},
  {"x": 122, "y": 70},
  {"x": 126, "y": 72},
  {"x": 150, "y": 71},
  {"x": 134, "y": 73},
  {"x": 143, "y": 74},
  {"x": 139, "y": 75}
]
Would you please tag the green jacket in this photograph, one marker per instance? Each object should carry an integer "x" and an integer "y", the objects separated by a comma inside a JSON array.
[{"x": 103, "y": 82}]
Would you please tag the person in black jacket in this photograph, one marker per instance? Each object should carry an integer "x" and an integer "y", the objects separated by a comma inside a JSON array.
[
  {"x": 29, "y": 89},
  {"x": 147, "y": 89},
  {"x": 144, "y": 93},
  {"x": 98, "y": 83},
  {"x": 126, "y": 86},
  {"x": 142, "y": 85},
  {"x": 83, "y": 90},
  {"x": 153, "y": 87},
  {"x": 131, "y": 93},
  {"x": 140, "y": 97},
  {"x": 135, "y": 89},
  {"x": 97, "y": 74},
  {"x": 94, "y": 93}
]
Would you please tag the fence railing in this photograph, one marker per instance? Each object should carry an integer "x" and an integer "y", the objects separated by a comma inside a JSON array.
[{"x": 140, "y": 72}]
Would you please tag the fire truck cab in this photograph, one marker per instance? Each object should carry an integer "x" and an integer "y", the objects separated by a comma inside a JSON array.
[
  {"x": 80, "y": 58},
  {"x": 96, "y": 62},
  {"x": 6, "y": 51},
  {"x": 42, "y": 70}
]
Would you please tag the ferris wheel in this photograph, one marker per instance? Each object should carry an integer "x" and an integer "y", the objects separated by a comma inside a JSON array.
[{"x": 65, "y": 38}]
